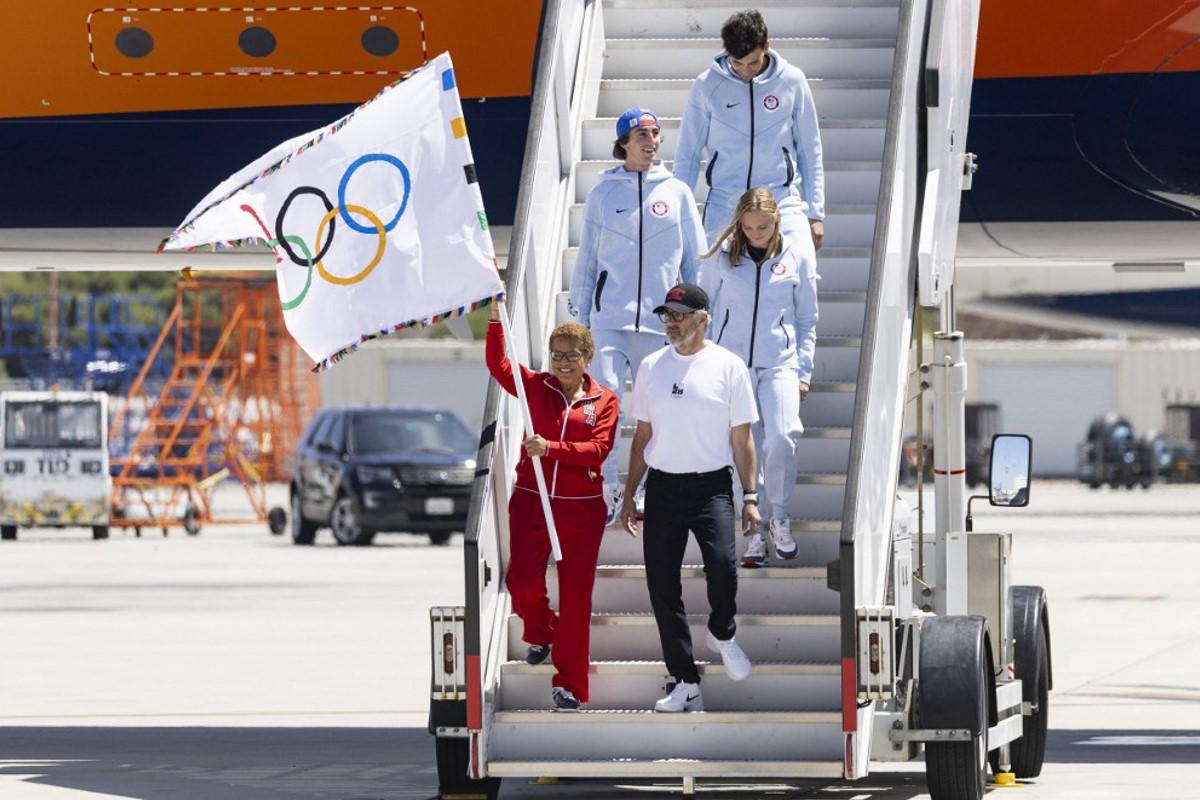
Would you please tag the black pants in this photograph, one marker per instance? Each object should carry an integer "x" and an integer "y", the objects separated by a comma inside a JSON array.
[{"x": 702, "y": 503}]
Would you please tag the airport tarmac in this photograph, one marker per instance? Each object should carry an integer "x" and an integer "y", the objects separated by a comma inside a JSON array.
[{"x": 235, "y": 665}]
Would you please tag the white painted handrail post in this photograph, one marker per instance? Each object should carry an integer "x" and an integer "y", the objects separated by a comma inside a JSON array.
[{"x": 537, "y": 461}]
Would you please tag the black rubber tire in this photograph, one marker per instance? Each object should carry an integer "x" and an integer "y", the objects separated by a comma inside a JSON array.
[
  {"x": 1029, "y": 752},
  {"x": 99, "y": 531},
  {"x": 452, "y": 761},
  {"x": 303, "y": 531},
  {"x": 190, "y": 524},
  {"x": 277, "y": 521},
  {"x": 958, "y": 770},
  {"x": 8, "y": 532},
  {"x": 439, "y": 538},
  {"x": 344, "y": 525}
]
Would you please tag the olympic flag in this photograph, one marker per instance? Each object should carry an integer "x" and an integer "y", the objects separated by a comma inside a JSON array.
[{"x": 376, "y": 221}]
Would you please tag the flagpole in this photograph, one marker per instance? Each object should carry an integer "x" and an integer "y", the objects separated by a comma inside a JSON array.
[{"x": 537, "y": 461}]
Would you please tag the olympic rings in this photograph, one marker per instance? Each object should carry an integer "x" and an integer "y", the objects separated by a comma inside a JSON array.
[
  {"x": 283, "y": 240},
  {"x": 358, "y": 162},
  {"x": 344, "y": 210},
  {"x": 379, "y": 229},
  {"x": 298, "y": 299}
]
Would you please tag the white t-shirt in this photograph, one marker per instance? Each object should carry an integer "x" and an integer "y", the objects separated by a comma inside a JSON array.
[{"x": 692, "y": 402}]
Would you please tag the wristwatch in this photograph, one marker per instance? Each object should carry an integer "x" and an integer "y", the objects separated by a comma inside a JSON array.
[{"x": 749, "y": 496}]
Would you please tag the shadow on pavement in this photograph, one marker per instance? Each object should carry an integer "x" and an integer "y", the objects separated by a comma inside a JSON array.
[
  {"x": 233, "y": 763},
  {"x": 1089, "y": 746}
]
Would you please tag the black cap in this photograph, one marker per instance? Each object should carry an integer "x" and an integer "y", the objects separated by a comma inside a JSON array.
[{"x": 685, "y": 297}]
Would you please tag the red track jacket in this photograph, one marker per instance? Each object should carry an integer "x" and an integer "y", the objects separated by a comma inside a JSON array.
[{"x": 579, "y": 435}]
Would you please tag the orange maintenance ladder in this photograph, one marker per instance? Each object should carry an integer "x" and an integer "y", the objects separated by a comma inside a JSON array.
[{"x": 233, "y": 405}]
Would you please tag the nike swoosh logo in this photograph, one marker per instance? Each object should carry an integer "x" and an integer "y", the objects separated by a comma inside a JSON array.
[
  {"x": 731, "y": 105},
  {"x": 693, "y": 697},
  {"x": 622, "y": 210}
]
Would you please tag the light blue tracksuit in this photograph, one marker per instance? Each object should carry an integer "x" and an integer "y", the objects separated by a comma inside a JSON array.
[
  {"x": 767, "y": 314},
  {"x": 761, "y": 132},
  {"x": 641, "y": 236}
]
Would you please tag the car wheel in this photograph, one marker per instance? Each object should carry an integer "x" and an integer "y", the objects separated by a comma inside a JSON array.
[
  {"x": 439, "y": 537},
  {"x": 303, "y": 531},
  {"x": 345, "y": 525}
]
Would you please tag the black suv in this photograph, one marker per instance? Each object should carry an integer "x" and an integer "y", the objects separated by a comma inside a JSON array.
[{"x": 369, "y": 469}]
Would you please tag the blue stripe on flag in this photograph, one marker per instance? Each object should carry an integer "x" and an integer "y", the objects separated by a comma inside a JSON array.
[{"x": 447, "y": 80}]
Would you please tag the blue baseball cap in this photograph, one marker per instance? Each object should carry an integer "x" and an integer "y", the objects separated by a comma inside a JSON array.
[{"x": 636, "y": 118}]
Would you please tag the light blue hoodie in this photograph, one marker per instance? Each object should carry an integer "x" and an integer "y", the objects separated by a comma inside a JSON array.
[
  {"x": 641, "y": 236},
  {"x": 761, "y": 132},
  {"x": 765, "y": 313}
]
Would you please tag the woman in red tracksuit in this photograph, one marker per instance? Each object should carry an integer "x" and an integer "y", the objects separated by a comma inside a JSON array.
[{"x": 574, "y": 424}]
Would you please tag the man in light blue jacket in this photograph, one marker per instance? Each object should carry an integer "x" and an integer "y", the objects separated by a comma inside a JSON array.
[
  {"x": 641, "y": 235},
  {"x": 752, "y": 113}
]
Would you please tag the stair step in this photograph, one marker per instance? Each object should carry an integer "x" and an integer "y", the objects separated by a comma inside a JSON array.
[
  {"x": 842, "y": 269},
  {"x": 646, "y": 735},
  {"x": 619, "y": 549},
  {"x": 852, "y": 183},
  {"x": 665, "y": 768},
  {"x": 764, "y": 637},
  {"x": 817, "y": 56},
  {"x": 847, "y": 99},
  {"x": 635, "y": 685},
  {"x": 784, "y": 18},
  {"x": 841, "y": 139},
  {"x": 783, "y": 587}
]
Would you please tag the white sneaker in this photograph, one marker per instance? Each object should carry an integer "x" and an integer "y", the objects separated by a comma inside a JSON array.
[
  {"x": 639, "y": 501},
  {"x": 684, "y": 697},
  {"x": 756, "y": 552},
  {"x": 737, "y": 666},
  {"x": 781, "y": 536},
  {"x": 614, "y": 495}
]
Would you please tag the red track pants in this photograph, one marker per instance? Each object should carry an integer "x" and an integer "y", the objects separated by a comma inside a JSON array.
[{"x": 580, "y": 526}]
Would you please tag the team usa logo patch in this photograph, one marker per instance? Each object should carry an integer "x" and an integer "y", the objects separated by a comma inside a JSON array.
[
  {"x": 770, "y": 102},
  {"x": 677, "y": 390},
  {"x": 660, "y": 209},
  {"x": 778, "y": 268},
  {"x": 589, "y": 412}
]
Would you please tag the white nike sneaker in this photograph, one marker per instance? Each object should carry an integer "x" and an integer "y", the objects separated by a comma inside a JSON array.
[
  {"x": 781, "y": 536},
  {"x": 756, "y": 552},
  {"x": 737, "y": 666},
  {"x": 684, "y": 697},
  {"x": 614, "y": 495}
]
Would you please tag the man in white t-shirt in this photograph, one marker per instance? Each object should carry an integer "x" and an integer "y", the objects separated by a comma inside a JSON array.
[{"x": 694, "y": 405}]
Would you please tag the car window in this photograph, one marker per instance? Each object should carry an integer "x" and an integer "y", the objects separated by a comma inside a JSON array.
[
  {"x": 380, "y": 432},
  {"x": 316, "y": 433},
  {"x": 336, "y": 434}
]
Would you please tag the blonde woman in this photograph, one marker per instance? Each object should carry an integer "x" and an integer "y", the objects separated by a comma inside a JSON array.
[{"x": 764, "y": 290}]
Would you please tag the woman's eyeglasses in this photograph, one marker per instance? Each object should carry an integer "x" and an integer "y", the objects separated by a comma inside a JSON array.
[
  {"x": 674, "y": 316},
  {"x": 570, "y": 356}
]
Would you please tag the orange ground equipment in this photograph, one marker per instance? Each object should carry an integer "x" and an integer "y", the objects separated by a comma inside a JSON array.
[{"x": 236, "y": 398}]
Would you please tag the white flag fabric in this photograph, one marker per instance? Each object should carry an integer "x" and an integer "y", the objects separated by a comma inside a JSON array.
[{"x": 376, "y": 221}]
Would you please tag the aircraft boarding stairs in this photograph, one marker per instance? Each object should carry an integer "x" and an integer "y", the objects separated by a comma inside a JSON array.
[{"x": 786, "y": 719}]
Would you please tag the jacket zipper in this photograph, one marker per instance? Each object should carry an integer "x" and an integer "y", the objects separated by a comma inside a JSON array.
[
  {"x": 562, "y": 434},
  {"x": 787, "y": 339},
  {"x": 750, "y": 169},
  {"x": 637, "y": 320},
  {"x": 754, "y": 318},
  {"x": 723, "y": 324},
  {"x": 787, "y": 156}
]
